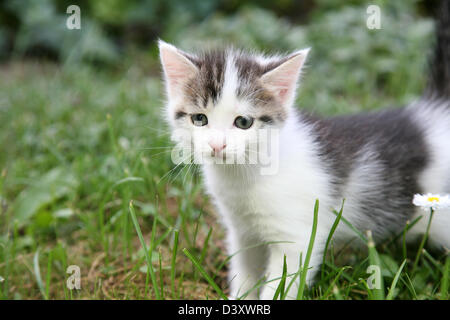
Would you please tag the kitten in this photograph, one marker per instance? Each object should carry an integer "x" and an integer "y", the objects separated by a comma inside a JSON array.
[{"x": 219, "y": 100}]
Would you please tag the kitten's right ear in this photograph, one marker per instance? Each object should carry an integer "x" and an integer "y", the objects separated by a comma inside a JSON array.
[
  {"x": 282, "y": 80},
  {"x": 177, "y": 67}
]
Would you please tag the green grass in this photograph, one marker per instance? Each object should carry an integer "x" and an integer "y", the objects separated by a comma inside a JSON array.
[{"x": 79, "y": 143}]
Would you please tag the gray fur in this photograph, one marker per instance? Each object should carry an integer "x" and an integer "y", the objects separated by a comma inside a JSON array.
[
  {"x": 208, "y": 83},
  {"x": 388, "y": 143}
]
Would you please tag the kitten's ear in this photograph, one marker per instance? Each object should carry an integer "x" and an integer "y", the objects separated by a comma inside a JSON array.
[
  {"x": 282, "y": 80},
  {"x": 177, "y": 67}
]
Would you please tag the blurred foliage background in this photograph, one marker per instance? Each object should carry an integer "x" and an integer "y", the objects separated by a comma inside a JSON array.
[
  {"x": 111, "y": 28},
  {"x": 118, "y": 33},
  {"x": 79, "y": 108}
]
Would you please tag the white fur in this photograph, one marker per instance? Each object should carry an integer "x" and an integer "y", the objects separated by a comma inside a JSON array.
[
  {"x": 434, "y": 119},
  {"x": 277, "y": 209},
  {"x": 259, "y": 209}
]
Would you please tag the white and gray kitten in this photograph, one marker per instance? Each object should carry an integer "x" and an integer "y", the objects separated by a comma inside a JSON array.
[{"x": 375, "y": 161}]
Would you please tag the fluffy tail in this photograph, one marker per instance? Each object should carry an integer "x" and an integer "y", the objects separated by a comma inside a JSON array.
[{"x": 439, "y": 79}]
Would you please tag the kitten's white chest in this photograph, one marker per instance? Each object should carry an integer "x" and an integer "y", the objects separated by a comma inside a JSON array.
[{"x": 272, "y": 206}]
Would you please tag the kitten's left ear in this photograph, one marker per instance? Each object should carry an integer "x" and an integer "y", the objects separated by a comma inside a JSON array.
[
  {"x": 177, "y": 67},
  {"x": 282, "y": 80}
]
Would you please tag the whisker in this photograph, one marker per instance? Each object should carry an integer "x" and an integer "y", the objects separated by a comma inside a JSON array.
[
  {"x": 174, "y": 178},
  {"x": 160, "y": 132},
  {"x": 159, "y": 153},
  {"x": 174, "y": 168}
]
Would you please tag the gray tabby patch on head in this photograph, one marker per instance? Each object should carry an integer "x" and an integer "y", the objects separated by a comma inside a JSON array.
[{"x": 207, "y": 85}]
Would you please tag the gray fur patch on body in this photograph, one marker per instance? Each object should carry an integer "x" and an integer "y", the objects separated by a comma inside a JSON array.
[{"x": 381, "y": 152}]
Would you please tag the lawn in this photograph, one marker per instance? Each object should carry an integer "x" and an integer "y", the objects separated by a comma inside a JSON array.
[{"x": 80, "y": 142}]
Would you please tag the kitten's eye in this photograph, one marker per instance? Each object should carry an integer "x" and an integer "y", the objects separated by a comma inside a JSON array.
[
  {"x": 199, "y": 119},
  {"x": 243, "y": 122}
]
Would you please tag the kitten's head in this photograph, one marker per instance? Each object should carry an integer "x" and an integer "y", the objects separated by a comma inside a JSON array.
[{"x": 219, "y": 99}]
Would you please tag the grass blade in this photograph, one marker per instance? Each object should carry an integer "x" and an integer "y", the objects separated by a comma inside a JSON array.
[
  {"x": 174, "y": 259},
  {"x": 205, "y": 245},
  {"x": 301, "y": 288},
  {"x": 49, "y": 274},
  {"x": 280, "y": 292},
  {"x": 161, "y": 274},
  {"x": 374, "y": 260},
  {"x": 356, "y": 231},
  {"x": 333, "y": 283},
  {"x": 330, "y": 236},
  {"x": 205, "y": 274},
  {"x": 422, "y": 243},
  {"x": 390, "y": 295},
  {"x": 37, "y": 275},
  {"x": 445, "y": 280},
  {"x": 147, "y": 255}
]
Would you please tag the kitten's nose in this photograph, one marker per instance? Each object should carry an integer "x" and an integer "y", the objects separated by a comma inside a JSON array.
[{"x": 217, "y": 147}]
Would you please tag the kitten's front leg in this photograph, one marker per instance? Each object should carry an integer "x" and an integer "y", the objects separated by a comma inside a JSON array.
[
  {"x": 275, "y": 268},
  {"x": 247, "y": 265}
]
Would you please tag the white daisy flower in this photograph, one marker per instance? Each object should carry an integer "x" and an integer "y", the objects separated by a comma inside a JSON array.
[
  {"x": 431, "y": 201},
  {"x": 2, "y": 279}
]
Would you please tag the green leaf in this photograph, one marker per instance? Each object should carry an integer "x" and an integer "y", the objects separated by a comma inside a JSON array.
[
  {"x": 389, "y": 266},
  {"x": 53, "y": 185}
]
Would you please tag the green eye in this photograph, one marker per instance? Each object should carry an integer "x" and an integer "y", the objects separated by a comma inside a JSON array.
[
  {"x": 243, "y": 122},
  {"x": 199, "y": 119}
]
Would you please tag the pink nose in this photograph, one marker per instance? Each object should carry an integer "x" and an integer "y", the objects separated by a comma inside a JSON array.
[{"x": 217, "y": 147}]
